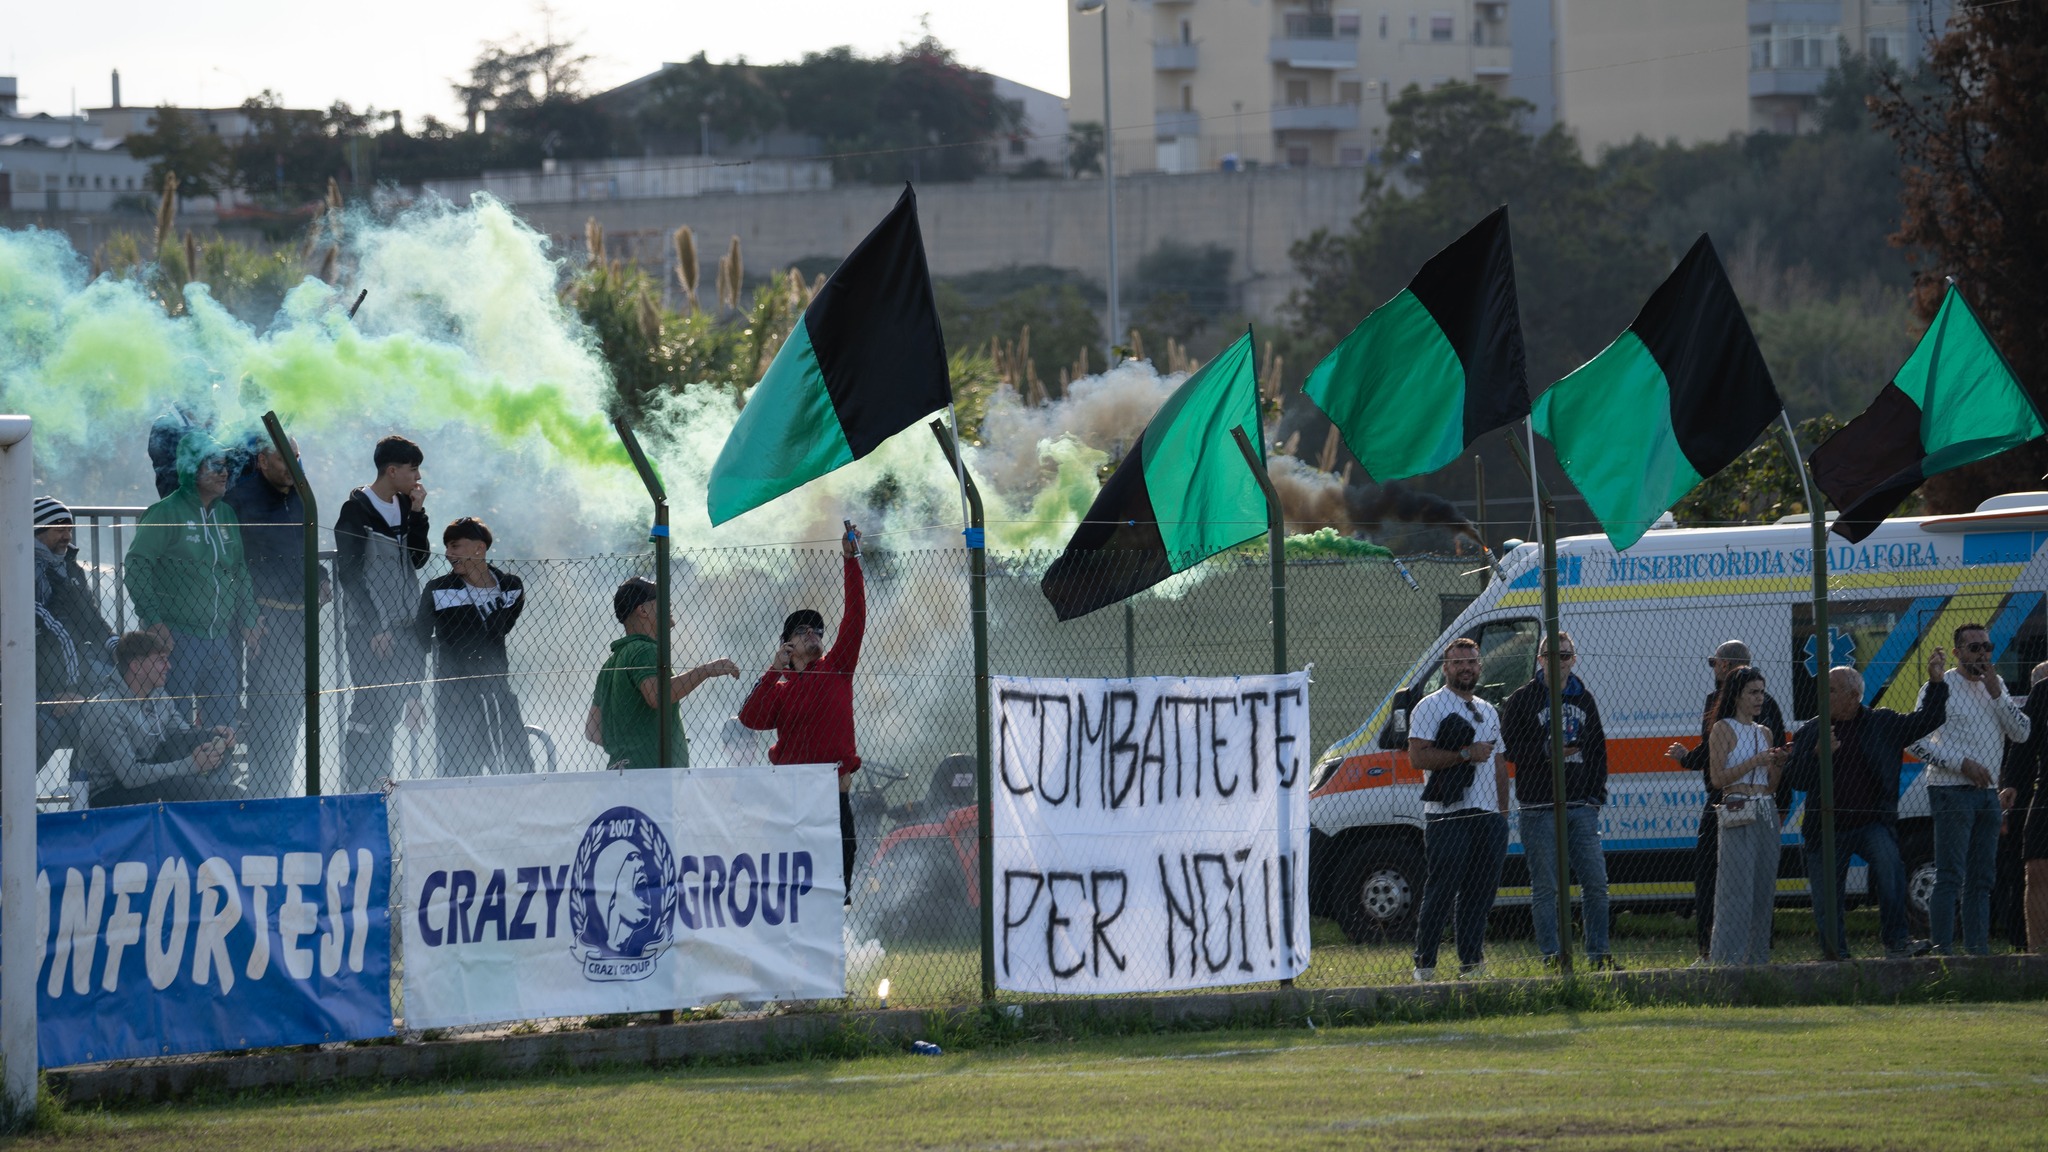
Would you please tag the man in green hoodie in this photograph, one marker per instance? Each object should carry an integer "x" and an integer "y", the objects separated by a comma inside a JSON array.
[{"x": 190, "y": 586}]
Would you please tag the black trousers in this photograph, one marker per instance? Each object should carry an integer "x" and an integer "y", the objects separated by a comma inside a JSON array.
[
  {"x": 1706, "y": 872},
  {"x": 848, "y": 843}
]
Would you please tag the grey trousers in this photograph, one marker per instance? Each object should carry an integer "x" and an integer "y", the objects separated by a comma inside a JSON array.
[{"x": 1747, "y": 891}]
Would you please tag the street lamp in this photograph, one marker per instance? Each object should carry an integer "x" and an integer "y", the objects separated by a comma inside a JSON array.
[{"x": 1108, "y": 169}]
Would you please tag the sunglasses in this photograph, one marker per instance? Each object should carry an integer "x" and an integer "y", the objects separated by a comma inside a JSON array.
[
  {"x": 1979, "y": 646},
  {"x": 806, "y": 630},
  {"x": 1567, "y": 655}
]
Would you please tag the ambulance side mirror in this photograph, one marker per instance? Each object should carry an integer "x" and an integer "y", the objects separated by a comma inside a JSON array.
[{"x": 1394, "y": 735}]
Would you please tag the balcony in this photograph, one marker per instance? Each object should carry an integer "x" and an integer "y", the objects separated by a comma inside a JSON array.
[
  {"x": 1787, "y": 81},
  {"x": 1762, "y": 12},
  {"x": 1174, "y": 56},
  {"x": 1493, "y": 60},
  {"x": 1316, "y": 118},
  {"x": 1171, "y": 123},
  {"x": 1332, "y": 53}
]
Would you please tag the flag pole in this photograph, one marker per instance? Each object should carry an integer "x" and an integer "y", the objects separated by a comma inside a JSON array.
[
  {"x": 977, "y": 591},
  {"x": 1535, "y": 485},
  {"x": 1823, "y": 656},
  {"x": 1553, "y": 677}
]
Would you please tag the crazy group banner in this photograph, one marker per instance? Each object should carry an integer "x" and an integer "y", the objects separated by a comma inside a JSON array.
[
  {"x": 595, "y": 892},
  {"x": 1150, "y": 834},
  {"x": 171, "y": 928}
]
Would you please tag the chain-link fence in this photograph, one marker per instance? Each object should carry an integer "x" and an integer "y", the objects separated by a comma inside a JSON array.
[{"x": 432, "y": 673}]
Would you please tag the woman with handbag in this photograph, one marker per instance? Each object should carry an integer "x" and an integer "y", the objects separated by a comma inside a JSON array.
[{"x": 1745, "y": 767}]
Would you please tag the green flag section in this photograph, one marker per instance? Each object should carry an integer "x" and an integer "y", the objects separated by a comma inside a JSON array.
[
  {"x": 865, "y": 362},
  {"x": 1954, "y": 402},
  {"x": 1436, "y": 367},
  {"x": 1182, "y": 494},
  {"x": 1676, "y": 398}
]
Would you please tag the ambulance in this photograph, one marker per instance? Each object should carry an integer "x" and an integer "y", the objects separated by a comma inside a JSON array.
[{"x": 1643, "y": 623}]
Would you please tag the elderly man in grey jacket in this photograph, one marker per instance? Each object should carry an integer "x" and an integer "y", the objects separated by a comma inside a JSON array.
[{"x": 134, "y": 744}]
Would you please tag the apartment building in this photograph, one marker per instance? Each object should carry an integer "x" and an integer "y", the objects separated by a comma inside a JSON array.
[
  {"x": 1202, "y": 85},
  {"x": 1694, "y": 70}
]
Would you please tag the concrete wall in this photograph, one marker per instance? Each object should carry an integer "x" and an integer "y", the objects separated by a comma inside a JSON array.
[
  {"x": 974, "y": 227},
  {"x": 1664, "y": 69}
]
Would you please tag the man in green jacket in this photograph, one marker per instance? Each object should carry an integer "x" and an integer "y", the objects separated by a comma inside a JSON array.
[{"x": 190, "y": 586}]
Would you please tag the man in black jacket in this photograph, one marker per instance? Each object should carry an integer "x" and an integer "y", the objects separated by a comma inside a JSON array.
[
  {"x": 1525, "y": 726},
  {"x": 1868, "y": 747},
  {"x": 267, "y": 502},
  {"x": 74, "y": 646},
  {"x": 380, "y": 544},
  {"x": 1706, "y": 851},
  {"x": 464, "y": 617}
]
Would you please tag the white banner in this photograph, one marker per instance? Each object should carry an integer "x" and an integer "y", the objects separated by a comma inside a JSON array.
[
  {"x": 1150, "y": 835},
  {"x": 593, "y": 892}
]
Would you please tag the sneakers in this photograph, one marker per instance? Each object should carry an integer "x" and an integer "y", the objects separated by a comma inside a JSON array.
[
  {"x": 1425, "y": 975},
  {"x": 1550, "y": 962},
  {"x": 1604, "y": 963},
  {"x": 1472, "y": 971}
]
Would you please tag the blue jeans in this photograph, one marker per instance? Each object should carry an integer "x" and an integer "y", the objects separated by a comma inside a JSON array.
[
  {"x": 1463, "y": 851},
  {"x": 1878, "y": 845},
  {"x": 1588, "y": 869},
  {"x": 209, "y": 672},
  {"x": 1965, "y": 864}
]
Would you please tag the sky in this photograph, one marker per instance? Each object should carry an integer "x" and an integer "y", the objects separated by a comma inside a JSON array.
[{"x": 402, "y": 54}]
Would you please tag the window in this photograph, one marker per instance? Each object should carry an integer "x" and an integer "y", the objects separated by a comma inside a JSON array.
[
  {"x": 1412, "y": 35},
  {"x": 1793, "y": 46},
  {"x": 1383, "y": 25},
  {"x": 1349, "y": 91},
  {"x": 1301, "y": 26},
  {"x": 1297, "y": 155},
  {"x": 1297, "y": 93},
  {"x": 1351, "y": 157},
  {"x": 1440, "y": 27},
  {"x": 1017, "y": 145},
  {"x": 1347, "y": 25},
  {"x": 1187, "y": 32},
  {"x": 1507, "y": 660},
  {"x": 1187, "y": 97}
]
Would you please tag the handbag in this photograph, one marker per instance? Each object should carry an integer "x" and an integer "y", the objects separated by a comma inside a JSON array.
[{"x": 1739, "y": 809}]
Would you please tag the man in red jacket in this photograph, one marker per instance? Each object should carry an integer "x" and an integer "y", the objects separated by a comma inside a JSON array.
[{"x": 806, "y": 694}]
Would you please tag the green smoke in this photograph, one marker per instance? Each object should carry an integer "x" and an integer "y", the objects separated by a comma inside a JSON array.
[{"x": 462, "y": 330}]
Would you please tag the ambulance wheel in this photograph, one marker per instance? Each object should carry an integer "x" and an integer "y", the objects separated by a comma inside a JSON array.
[{"x": 1378, "y": 888}]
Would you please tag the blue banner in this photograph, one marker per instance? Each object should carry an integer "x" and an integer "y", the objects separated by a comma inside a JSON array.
[{"x": 200, "y": 927}]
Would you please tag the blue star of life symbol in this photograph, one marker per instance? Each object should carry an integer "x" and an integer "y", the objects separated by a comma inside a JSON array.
[{"x": 1841, "y": 650}]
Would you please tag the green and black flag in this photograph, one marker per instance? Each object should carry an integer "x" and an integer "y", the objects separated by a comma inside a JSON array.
[
  {"x": 1673, "y": 400},
  {"x": 866, "y": 361},
  {"x": 1182, "y": 494},
  {"x": 1434, "y": 368},
  {"x": 1954, "y": 402}
]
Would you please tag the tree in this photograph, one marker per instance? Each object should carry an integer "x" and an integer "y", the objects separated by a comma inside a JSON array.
[
  {"x": 1084, "y": 148},
  {"x": 289, "y": 154},
  {"x": 1582, "y": 262},
  {"x": 1975, "y": 147},
  {"x": 1759, "y": 487},
  {"x": 179, "y": 143},
  {"x": 732, "y": 100}
]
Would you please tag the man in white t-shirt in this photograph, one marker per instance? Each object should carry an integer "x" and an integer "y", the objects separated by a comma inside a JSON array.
[
  {"x": 1963, "y": 757},
  {"x": 1452, "y": 739}
]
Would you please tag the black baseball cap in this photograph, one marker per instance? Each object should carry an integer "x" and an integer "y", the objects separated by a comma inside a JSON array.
[
  {"x": 634, "y": 592},
  {"x": 802, "y": 618}
]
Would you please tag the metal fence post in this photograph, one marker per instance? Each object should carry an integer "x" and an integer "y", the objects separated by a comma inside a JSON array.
[
  {"x": 1554, "y": 674},
  {"x": 1276, "y": 544},
  {"x": 1824, "y": 743},
  {"x": 309, "y": 521},
  {"x": 19, "y": 940},
  {"x": 977, "y": 591},
  {"x": 659, "y": 534}
]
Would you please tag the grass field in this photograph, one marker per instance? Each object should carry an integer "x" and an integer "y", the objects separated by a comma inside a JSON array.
[{"x": 1947, "y": 1076}]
